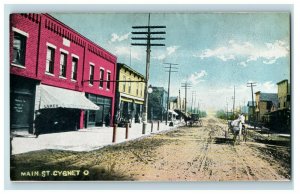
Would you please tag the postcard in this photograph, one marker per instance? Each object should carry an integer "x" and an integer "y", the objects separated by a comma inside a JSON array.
[{"x": 201, "y": 96}]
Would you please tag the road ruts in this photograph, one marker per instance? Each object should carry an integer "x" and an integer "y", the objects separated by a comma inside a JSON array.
[{"x": 202, "y": 154}]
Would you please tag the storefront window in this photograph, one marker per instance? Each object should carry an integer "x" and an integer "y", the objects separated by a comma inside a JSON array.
[
  {"x": 99, "y": 117},
  {"x": 92, "y": 115}
]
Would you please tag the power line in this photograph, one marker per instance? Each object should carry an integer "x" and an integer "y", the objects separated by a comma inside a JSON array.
[{"x": 233, "y": 98}]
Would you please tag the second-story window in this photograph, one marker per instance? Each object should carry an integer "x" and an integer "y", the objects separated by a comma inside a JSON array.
[
  {"x": 108, "y": 80},
  {"x": 141, "y": 85},
  {"x": 19, "y": 45},
  {"x": 74, "y": 68},
  {"x": 129, "y": 86},
  {"x": 137, "y": 88},
  {"x": 91, "y": 74},
  {"x": 101, "y": 78},
  {"x": 50, "y": 60},
  {"x": 124, "y": 83},
  {"x": 63, "y": 64}
]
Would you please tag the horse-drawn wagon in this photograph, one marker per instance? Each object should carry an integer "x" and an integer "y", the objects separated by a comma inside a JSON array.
[
  {"x": 238, "y": 129},
  {"x": 194, "y": 120}
]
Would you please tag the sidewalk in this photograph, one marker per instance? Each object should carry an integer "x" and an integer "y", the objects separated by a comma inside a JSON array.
[{"x": 84, "y": 139}]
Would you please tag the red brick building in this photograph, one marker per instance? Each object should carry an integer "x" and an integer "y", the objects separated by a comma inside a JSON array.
[{"x": 52, "y": 68}]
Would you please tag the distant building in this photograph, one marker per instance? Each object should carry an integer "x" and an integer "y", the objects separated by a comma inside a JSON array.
[
  {"x": 280, "y": 119},
  {"x": 284, "y": 95},
  {"x": 129, "y": 95},
  {"x": 251, "y": 111},
  {"x": 265, "y": 103},
  {"x": 177, "y": 103},
  {"x": 274, "y": 110},
  {"x": 174, "y": 103},
  {"x": 157, "y": 104}
]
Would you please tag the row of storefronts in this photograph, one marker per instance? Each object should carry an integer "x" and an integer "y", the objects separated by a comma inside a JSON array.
[
  {"x": 61, "y": 81},
  {"x": 55, "y": 77}
]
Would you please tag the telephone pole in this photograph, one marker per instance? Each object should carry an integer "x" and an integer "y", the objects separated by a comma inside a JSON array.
[
  {"x": 233, "y": 100},
  {"x": 179, "y": 101},
  {"x": 193, "y": 94},
  {"x": 252, "y": 84},
  {"x": 148, "y": 33},
  {"x": 186, "y": 86},
  {"x": 226, "y": 109},
  {"x": 170, "y": 67}
]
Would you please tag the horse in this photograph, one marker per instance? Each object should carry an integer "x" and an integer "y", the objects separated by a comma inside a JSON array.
[{"x": 237, "y": 129}]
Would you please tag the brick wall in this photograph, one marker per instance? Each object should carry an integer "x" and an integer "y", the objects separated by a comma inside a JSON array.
[
  {"x": 28, "y": 24},
  {"x": 43, "y": 30}
]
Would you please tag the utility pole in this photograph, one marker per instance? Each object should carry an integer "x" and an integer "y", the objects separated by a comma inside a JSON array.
[
  {"x": 148, "y": 33},
  {"x": 192, "y": 105},
  {"x": 170, "y": 66},
  {"x": 252, "y": 84},
  {"x": 186, "y": 86},
  {"x": 199, "y": 109},
  {"x": 233, "y": 100},
  {"x": 226, "y": 109},
  {"x": 179, "y": 101}
]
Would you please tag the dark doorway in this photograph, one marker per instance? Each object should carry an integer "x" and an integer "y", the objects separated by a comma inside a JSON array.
[
  {"x": 22, "y": 97},
  {"x": 57, "y": 120}
]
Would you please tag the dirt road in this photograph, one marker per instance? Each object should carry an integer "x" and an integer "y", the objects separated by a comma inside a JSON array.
[{"x": 186, "y": 154}]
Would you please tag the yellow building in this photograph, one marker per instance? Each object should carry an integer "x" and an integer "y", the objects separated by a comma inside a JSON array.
[
  {"x": 129, "y": 94},
  {"x": 284, "y": 95}
]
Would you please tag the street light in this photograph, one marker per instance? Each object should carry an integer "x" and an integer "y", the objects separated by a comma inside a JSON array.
[{"x": 150, "y": 90}]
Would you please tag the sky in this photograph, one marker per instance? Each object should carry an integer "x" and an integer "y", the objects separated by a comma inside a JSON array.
[{"x": 215, "y": 51}]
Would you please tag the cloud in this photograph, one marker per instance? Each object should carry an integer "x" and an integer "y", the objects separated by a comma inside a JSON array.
[
  {"x": 197, "y": 77},
  {"x": 118, "y": 38},
  {"x": 246, "y": 52},
  {"x": 125, "y": 51},
  {"x": 267, "y": 87},
  {"x": 169, "y": 51}
]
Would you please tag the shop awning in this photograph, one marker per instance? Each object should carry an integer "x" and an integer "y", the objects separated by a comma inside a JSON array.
[
  {"x": 52, "y": 97},
  {"x": 126, "y": 99}
]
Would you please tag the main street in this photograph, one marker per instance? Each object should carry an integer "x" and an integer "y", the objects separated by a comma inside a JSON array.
[{"x": 185, "y": 154}]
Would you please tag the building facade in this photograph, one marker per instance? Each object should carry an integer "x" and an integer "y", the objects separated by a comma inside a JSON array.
[
  {"x": 174, "y": 103},
  {"x": 265, "y": 103},
  {"x": 157, "y": 104},
  {"x": 251, "y": 111},
  {"x": 52, "y": 69},
  {"x": 284, "y": 95},
  {"x": 129, "y": 94}
]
